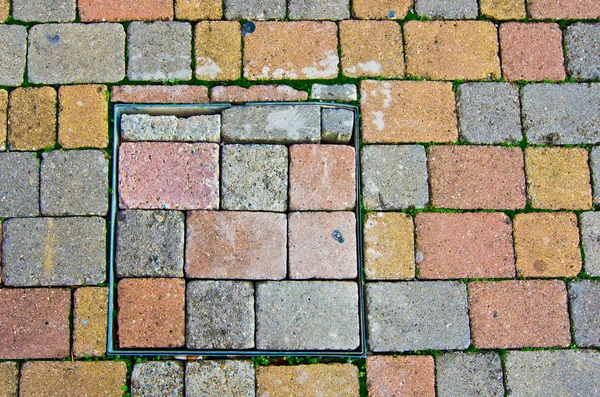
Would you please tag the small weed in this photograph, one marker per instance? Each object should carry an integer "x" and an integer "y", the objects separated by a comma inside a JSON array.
[{"x": 261, "y": 361}]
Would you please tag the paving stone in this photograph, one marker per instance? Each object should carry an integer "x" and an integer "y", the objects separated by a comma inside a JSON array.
[
  {"x": 410, "y": 316},
  {"x": 236, "y": 245},
  {"x": 291, "y": 50},
  {"x": 0, "y": 252},
  {"x": 143, "y": 127},
  {"x": 322, "y": 177},
  {"x": 407, "y": 111},
  {"x": 76, "y": 53},
  {"x": 531, "y": 51},
  {"x": 159, "y": 94},
  {"x": 3, "y": 118},
  {"x": 567, "y": 373},
  {"x": 301, "y": 315},
  {"x": 4, "y": 9},
  {"x": 159, "y": 51},
  {"x": 503, "y": 9},
  {"x": 476, "y": 177},
  {"x": 165, "y": 175},
  {"x": 439, "y": 50},
  {"x": 322, "y": 245},
  {"x": 469, "y": 374},
  {"x": 67, "y": 176},
  {"x": 32, "y": 118},
  {"x": 220, "y": 315},
  {"x": 381, "y": 9},
  {"x": 254, "y": 177},
  {"x": 157, "y": 378},
  {"x": 561, "y": 114},
  {"x": 256, "y": 93},
  {"x": 550, "y": 9},
  {"x": 195, "y": 10},
  {"x": 590, "y": 239},
  {"x": 19, "y": 185},
  {"x": 371, "y": 48},
  {"x": 9, "y": 379},
  {"x": 468, "y": 245},
  {"x": 255, "y": 9},
  {"x": 547, "y": 245},
  {"x": 558, "y": 178},
  {"x": 54, "y": 251},
  {"x": 440, "y": 9},
  {"x": 388, "y": 243},
  {"x": 151, "y": 312},
  {"x": 220, "y": 377},
  {"x": 82, "y": 116},
  {"x": 582, "y": 48},
  {"x": 334, "y": 92},
  {"x": 13, "y": 42},
  {"x": 489, "y": 113},
  {"x": 519, "y": 313},
  {"x": 34, "y": 323},
  {"x": 80, "y": 378},
  {"x": 90, "y": 321},
  {"x": 124, "y": 10},
  {"x": 218, "y": 50},
  {"x": 272, "y": 124},
  {"x": 320, "y": 10},
  {"x": 337, "y": 125},
  {"x": 584, "y": 299},
  {"x": 44, "y": 10},
  {"x": 394, "y": 177},
  {"x": 150, "y": 243},
  {"x": 336, "y": 379},
  {"x": 411, "y": 376}
]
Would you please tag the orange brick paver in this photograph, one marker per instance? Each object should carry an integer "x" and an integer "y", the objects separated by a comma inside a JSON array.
[
  {"x": 564, "y": 9},
  {"x": 503, "y": 9},
  {"x": 4, "y": 8},
  {"x": 381, "y": 9},
  {"x": 195, "y": 10},
  {"x": 9, "y": 379},
  {"x": 123, "y": 10},
  {"x": 218, "y": 51},
  {"x": 32, "y": 118},
  {"x": 410, "y": 376},
  {"x": 90, "y": 321},
  {"x": 82, "y": 116}
]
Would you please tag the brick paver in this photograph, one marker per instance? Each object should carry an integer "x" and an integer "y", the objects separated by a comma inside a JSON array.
[
  {"x": 162, "y": 378},
  {"x": 371, "y": 48},
  {"x": 151, "y": 312},
  {"x": 584, "y": 300},
  {"x": 547, "y": 245},
  {"x": 476, "y": 177},
  {"x": 159, "y": 94},
  {"x": 517, "y": 314},
  {"x": 195, "y": 10},
  {"x": 3, "y": 118},
  {"x": 452, "y": 50},
  {"x": 590, "y": 240},
  {"x": 34, "y": 323},
  {"x": 335, "y": 92},
  {"x": 223, "y": 377},
  {"x": 32, "y": 118},
  {"x": 407, "y": 111},
  {"x": 13, "y": 44},
  {"x": 43, "y": 11},
  {"x": 582, "y": 46},
  {"x": 381, "y": 9},
  {"x": 218, "y": 50},
  {"x": 255, "y": 9},
  {"x": 90, "y": 316},
  {"x": 19, "y": 184},
  {"x": 318, "y": 10},
  {"x": 320, "y": 380},
  {"x": 469, "y": 245},
  {"x": 4, "y": 8},
  {"x": 9, "y": 379},
  {"x": 440, "y": 9},
  {"x": 388, "y": 243},
  {"x": 82, "y": 116},
  {"x": 143, "y": 127},
  {"x": 123, "y": 10},
  {"x": 469, "y": 374},
  {"x": 292, "y": 50},
  {"x": 550, "y": 9},
  {"x": 256, "y": 93},
  {"x": 410, "y": 376},
  {"x": 503, "y": 9},
  {"x": 337, "y": 125},
  {"x": 46, "y": 378},
  {"x": 76, "y": 53}
]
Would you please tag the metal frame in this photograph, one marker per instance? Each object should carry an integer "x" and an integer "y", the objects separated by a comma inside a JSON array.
[{"x": 197, "y": 109}]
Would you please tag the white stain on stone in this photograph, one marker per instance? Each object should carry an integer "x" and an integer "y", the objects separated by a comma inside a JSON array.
[
  {"x": 370, "y": 67},
  {"x": 325, "y": 68},
  {"x": 387, "y": 94},
  {"x": 378, "y": 121},
  {"x": 289, "y": 120},
  {"x": 206, "y": 67}
]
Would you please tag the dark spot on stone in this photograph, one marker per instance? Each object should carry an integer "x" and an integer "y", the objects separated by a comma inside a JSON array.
[
  {"x": 248, "y": 27},
  {"x": 337, "y": 235},
  {"x": 539, "y": 265},
  {"x": 551, "y": 138},
  {"x": 52, "y": 39},
  {"x": 391, "y": 14},
  {"x": 495, "y": 314}
]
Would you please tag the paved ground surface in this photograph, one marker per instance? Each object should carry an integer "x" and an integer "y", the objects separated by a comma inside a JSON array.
[{"x": 480, "y": 180}]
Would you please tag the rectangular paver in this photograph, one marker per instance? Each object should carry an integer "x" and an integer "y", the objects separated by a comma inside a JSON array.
[
  {"x": 381, "y": 9},
  {"x": 469, "y": 374},
  {"x": 13, "y": 44},
  {"x": 257, "y": 93},
  {"x": 19, "y": 184},
  {"x": 9, "y": 379},
  {"x": 590, "y": 240},
  {"x": 3, "y": 118},
  {"x": 32, "y": 118},
  {"x": 124, "y": 10},
  {"x": 195, "y": 10},
  {"x": 82, "y": 116},
  {"x": 440, "y": 9},
  {"x": 410, "y": 376},
  {"x": 318, "y": 10},
  {"x": 44, "y": 10},
  {"x": 159, "y": 94},
  {"x": 503, "y": 9},
  {"x": 218, "y": 51},
  {"x": 255, "y": 9},
  {"x": 582, "y": 48},
  {"x": 584, "y": 302},
  {"x": 157, "y": 378},
  {"x": 334, "y": 92},
  {"x": 90, "y": 318},
  {"x": 143, "y": 127},
  {"x": 223, "y": 377},
  {"x": 551, "y": 9}
]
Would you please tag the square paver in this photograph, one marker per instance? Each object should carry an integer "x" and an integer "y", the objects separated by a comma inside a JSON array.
[
  {"x": 150, "y": 243},
  {"x": 13, "y": 42},
  {"x": 67, "y": 176},
  {"x": 218, "y": 50},
  {"x": 582, "y": 47},
  {"x": 302, "y": 315},
  {"x": 32, "y": 118},
  {"x": 157, "y": 378},
  {"x": 221, "y": 377},
  {"x": 584, "y": 302},
  {"x": 400, "y": 376},
  {"x": 19, "y": 184},
  {"x": 44, "y": 10},
  {"x": 590, "y": 240},
  {"x": 220, "y": 315},
  {"x": 337, "y": 125},
  {"x": 159, "y": 51},
  {"x": 254, "y": 178},
  {"x": 469, "y": 374}
]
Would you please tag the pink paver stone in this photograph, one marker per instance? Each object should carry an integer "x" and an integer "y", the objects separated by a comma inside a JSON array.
[
  {"x": 236, "y": 245},
  {"x": 159, "y": 175},
  {"x": 124, "y": 10},
  {"x": 406, "y": 376},
  {"x": 322, "y": 177},
  {"x": 159, "y": 94},
  {"x": 322, "y": 245},
  {"x": 256, "y": 93},
  {"x": 34, "y": 323},
  {"x": 469, "y": 245},
  {"x": 564, "y": 9}
]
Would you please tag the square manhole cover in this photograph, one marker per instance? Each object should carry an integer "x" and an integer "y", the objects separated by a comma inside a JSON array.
[{"x": 236, "y": 230}]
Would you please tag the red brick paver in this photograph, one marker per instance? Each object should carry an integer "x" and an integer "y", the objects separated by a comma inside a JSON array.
[
  {"x": 407, "y": 376},
  {"x": 90, "y": 321},
  {"x": 82, "y": 116},
  {"x": 564, "y": 9},
  {"x": 151, "y": 312},
  {"x": 159, "y": 94},
  {"x": 476, "y": 177},
  {"x": 256, "y": 93},
  {"x": 469, "y": 245},
  {"x": 124, "y": 10},
  {"x": 531, "y": 51},
  {"x": 34, "y": 323},
  {"x": 516, "y": 314},
  {"x": 32, "y": 118}
]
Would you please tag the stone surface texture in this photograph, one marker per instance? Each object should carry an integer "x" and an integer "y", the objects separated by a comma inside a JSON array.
[
  {"x": 255, "y": 9},
  {"x": 382, "y": 9},
  {"x": 337, "y": 125},
  {"x": 257, "y": 93},
  {"x": 582, "y": 48},
  {"x": 3, "y": 118},
  {"x": 195, "y": 10},
  {"x": 9, "y": 379},
  {"x": 440, "y": 9},
  {"x": 218, "y": 50},
  {"x": 159, "y": 94},
  {"x": 143, "y": 127},
  {"x": 124, "y": 10},
  {"x": 43, "y": 11},
  {"x": 584, "y": 300},
  {"x": 410, "y": 376},
  {"x": 221, "y": 377},
  {"x": 503, "y": 9},
  {"x": 90, "y": 318},
  {"x": 469, "y": 374},
  {"x": 590, "y": 240},
  {"x": 19, "y": 184},
  {"x": 549, "y": 9},
  {"x": 159, "y": 378},
  {"x": 13, "y": 42},
  {"x": 335, "y": 92},
  {"x": 32, "y": 118},
  {"x": 318, "y": 10},
  {"x": 82, "y": 116}
]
